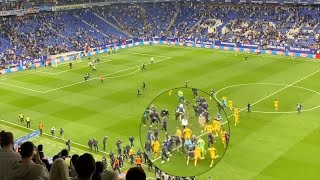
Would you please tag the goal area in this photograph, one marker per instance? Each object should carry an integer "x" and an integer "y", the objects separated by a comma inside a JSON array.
[{"x": 65, "y": 57}]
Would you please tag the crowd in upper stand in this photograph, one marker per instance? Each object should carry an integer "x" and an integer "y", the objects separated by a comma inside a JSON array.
[{"x": 41, "y": 34}]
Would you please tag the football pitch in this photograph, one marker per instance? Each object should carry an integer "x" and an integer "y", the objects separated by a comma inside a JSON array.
[{"x": 265, "y": 145}]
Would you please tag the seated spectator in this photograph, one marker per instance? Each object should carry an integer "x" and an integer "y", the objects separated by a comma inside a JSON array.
[
  {"x": 85, "y": 167},
  {"x": 59, "y": 170},
  {"x": 136, "y": 173},
  {"x": 7, "y": 155},
  {"x": 26, "y": 169}
]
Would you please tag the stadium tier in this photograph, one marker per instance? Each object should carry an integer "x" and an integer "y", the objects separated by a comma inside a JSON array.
[{"x": 265, "y": 26}]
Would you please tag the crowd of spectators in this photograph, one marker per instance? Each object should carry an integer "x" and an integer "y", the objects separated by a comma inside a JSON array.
[
  {"x": 268, "y": 24},
  {"x": 30, "y": 163},
  {"x": 14, "y": 5},
  {"x": 42, "y": 34}
]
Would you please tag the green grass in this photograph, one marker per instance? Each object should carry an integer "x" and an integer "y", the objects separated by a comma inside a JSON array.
[
  {"x": 264, "y": 146},
  {"x": 178, "y": 159}
]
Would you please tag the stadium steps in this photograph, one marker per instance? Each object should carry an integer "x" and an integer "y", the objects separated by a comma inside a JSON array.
[
  {"x": 196, "y": 24},
  {"x": 174, "y": 17},
  {"x": 115, "y": 20},
  {"x": 103, "y": 19},
  {"x": 91, "y": 26},
  {"x": 59, "y": 34}
]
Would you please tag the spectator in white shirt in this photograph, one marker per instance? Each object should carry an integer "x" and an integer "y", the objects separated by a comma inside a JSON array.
[{"x": 7, "y": 155}]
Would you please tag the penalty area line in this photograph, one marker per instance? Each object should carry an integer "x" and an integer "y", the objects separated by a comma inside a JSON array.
[
  {"x": 252, "y": 104},
  {"x": 80, "y": 82}
]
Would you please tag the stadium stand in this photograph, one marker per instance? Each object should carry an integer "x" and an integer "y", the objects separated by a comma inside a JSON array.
[
  {"x": 48, "y": 33},
  {"x": 35, "y": 35}
]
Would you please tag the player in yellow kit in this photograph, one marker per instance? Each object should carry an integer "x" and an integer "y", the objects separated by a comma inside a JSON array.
[
  {"x": 187, "y": 133},
  {"x": 230, "y": 104},
  {"x": 236, "y": 116},
  {"x": 156, "y": 148},
  {"x": 208, "y": 128},
  {"x": 216, "y": 127},
  {"x": 276, "y": 105},
  {"x": 213, "y": 154},
  {"x": 197, "y": 155},
  {"x": 179, "y": 133},
  {"x": 223, "y": 138}
]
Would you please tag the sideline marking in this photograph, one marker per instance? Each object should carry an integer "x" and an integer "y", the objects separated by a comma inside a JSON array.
[
  {"x": 80, "y": 82},
  {"x": 112, "y": 77}
]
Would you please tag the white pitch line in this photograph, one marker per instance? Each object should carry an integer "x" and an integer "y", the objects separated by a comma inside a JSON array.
[
  {"x": 73, "y": 68},
  {"x": 277, "y": 84},
  {"x": 144, "y": 54},
  {"x": 20, "y": 87},
  {"x": 251, "y": 105},
  {"x": 287, "y": 86},
  {"x": 69, "y": 85},
  {"x": 112, "y": 77}
]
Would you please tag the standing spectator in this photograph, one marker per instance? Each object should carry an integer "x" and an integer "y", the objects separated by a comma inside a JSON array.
[
  {"x": 26, "y": 168},
  {"x": 7, "y": 155},
  {"x": 85, "y": 167},
  {"x": 59, "y": 170},
  {"x": 40, "y": 126}
]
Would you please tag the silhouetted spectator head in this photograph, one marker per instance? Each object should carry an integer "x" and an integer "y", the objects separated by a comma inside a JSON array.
[
  {"x": 55, "y": 157},
  {"x": 136, "y": 173},
  {"x": 64, "y": 153},
  {"x": 74, "y": 159},
  {"x": 99, "y": 167},
  {"x": 85, "y": 166},
  {"x": 1, "y": 134},
  {"x": 40, "y": 147},
  {"x": 99, "y": 171},
  {"x": 6, "y": 139},
  {"x": 27, "y": 149}
]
